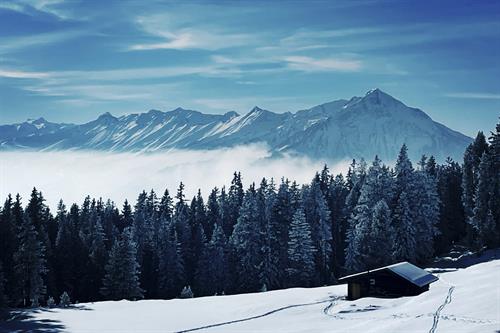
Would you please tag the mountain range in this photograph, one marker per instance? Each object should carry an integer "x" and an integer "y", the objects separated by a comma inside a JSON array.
[{"x": 375, "y": 124}]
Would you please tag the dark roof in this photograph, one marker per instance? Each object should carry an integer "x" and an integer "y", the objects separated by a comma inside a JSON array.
[{"x": 407, "y": 271}]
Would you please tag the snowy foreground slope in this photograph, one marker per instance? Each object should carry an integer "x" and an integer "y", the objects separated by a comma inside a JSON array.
[{"x": 463, "y": 300}]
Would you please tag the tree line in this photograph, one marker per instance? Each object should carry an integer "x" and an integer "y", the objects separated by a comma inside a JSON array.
[{"x": 267, "y": 236}]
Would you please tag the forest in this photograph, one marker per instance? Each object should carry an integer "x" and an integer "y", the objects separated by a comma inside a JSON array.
[{"x": 267, "y": 236}]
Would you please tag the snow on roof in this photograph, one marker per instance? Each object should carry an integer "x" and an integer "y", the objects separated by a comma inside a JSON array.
[{"x": 409, "y": 272}]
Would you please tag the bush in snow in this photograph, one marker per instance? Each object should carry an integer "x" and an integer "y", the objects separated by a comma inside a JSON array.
[
  {"x": 65, "y": 300},
  {"x": 34, "y": 303},
  {"x": 186, "y": 292},
  {"x": 51, "y": 302}
]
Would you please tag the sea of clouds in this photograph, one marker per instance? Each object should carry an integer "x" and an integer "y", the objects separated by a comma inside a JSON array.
[{"x": 118, "y": 176}]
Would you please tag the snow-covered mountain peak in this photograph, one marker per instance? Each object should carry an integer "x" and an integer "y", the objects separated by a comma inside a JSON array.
[
  {"x": 375, "y": 124},
  {"x": 378, "y": 97},
  {"x": 230, "y": 115},
  {"x": 40, "y": 120},
  {"x": 155, "y": 112},
  {"x": 106, "y": 115},
  {"x": 256, "y": 109}
]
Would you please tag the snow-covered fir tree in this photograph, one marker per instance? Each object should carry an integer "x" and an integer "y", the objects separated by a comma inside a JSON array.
[
  {"x": 247, "y": 242},
  {"x": 404, "y": 231},
  {"x": 171, "y": 266},
  {"x": 122, "y": 270},
  {"x": 30, "y": 264},
  {"x": 301, "y": 265}
]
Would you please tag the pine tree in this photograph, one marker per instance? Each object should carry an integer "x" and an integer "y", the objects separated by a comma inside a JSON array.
[
  {"x": 213, "y": 214},
  {"x": 318, "y": 217},
  {"x": 67, "y": 249},
  {"x": 183, "y": 230},
  {"x": 165, "y": 208},
  {"x": 40, "y": 217},
  {"x": 280, "y": 219},
  {"x": 357, "y": 239},
  {"x": 97, "y": 259},
  {"x": 494, "y": 203},
  {"x": 482, "y": 218},
  {"x": 218, "y": 265},
  {"x": 3, "y": 296},
  {"x": 127, "y": 218},
  {"x": 472, "y": 159},
  {"x": 336, "y": 204},
  {"x": 426, "y": 212},
  {"x": 233, "y": 204},
  {"x": 381, "y": 236},
  {"x": 170, "y": 269},
  {"x": 404, "y": 231},
  {"x": 247, "y": 244},
  {"x": 202, "y": 273},
  {"x": 269, "y": 233},
  {"x": 197, "y": 242},
  {"x": 30, "y": 264},
  {"x": 452, "y": 225},
  {"x": 301, "y": 265},
  {"x": 122, "y": 270},
  {"x": 8, "y": 245}
]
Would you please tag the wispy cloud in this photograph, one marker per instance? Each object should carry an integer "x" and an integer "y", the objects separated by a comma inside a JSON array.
[
  {"x": 473, "y": 95},
  {"x": 19, "y": 43},
  {"x": 15, "y": 74},
  {"x": 32, "y": 7},
  {"x": 309, "y": 64},
  {"x": 170, "y": 34}
]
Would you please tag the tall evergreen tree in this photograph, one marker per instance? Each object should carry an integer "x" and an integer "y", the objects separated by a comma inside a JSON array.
[
  {"x": 3, "y": 296},
  {"x": 494, "y": 203},
  {"x": 426, "y": 217},
  {"x": 171, "y": 269},
  {"x": 122, "y": 270},
  {"x": 247, "y": 243},
  {"x": 30, "y": 264},
  {"x": 482, "y": 218},
  {"x": 213, "y": 213},
  {"x": 404, "y": 231},
  {"x": 452, "y": 226},
  {"x": 217, "y": 270},
  {"x": 233, "y": 204},
  {"x": 336, "y": 204},
  {"x": 381, "y": 236},
  {"x": 301, "y": 264},
  {"x": 318, "y": 217},
  {"x": 472, "y": 159},
  {"x": 280, "y": 219},
  {"x": 8, "y": 246}
]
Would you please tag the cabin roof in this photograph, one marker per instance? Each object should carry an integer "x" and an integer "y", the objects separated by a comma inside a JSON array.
[{"x": 409, "y": 272}]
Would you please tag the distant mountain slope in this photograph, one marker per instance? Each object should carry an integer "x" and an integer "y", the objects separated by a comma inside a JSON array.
[{"x": 376, "y": 124}]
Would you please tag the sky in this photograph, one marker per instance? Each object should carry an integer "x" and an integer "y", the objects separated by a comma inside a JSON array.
[{"x": 70, "y": 60}]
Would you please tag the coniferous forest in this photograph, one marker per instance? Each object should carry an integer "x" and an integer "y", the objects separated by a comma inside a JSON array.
[{"x": 271, "y": 235}]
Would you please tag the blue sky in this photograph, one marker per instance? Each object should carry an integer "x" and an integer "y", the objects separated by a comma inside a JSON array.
[{"x": 69, "y": 60}]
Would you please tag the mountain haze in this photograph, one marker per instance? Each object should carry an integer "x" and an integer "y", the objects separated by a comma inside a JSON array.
[{"x": 375, "y": 124}]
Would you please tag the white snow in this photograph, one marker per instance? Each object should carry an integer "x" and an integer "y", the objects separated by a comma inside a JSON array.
[{"x": 472, "y": 305}]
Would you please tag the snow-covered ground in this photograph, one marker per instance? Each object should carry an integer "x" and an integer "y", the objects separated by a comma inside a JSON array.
[{"x": 463, "y": 300}]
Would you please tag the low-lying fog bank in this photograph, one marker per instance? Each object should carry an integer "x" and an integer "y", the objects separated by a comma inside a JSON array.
[{"x": 119, "y": 176}]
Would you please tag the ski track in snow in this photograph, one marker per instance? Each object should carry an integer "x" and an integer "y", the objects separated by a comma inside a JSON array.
[
  {"x": 253, "y": 317},
  {"x": 437, "y": 314}
]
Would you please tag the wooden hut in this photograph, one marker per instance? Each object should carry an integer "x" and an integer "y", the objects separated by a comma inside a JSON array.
[{"x": 401, "y": 279}]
